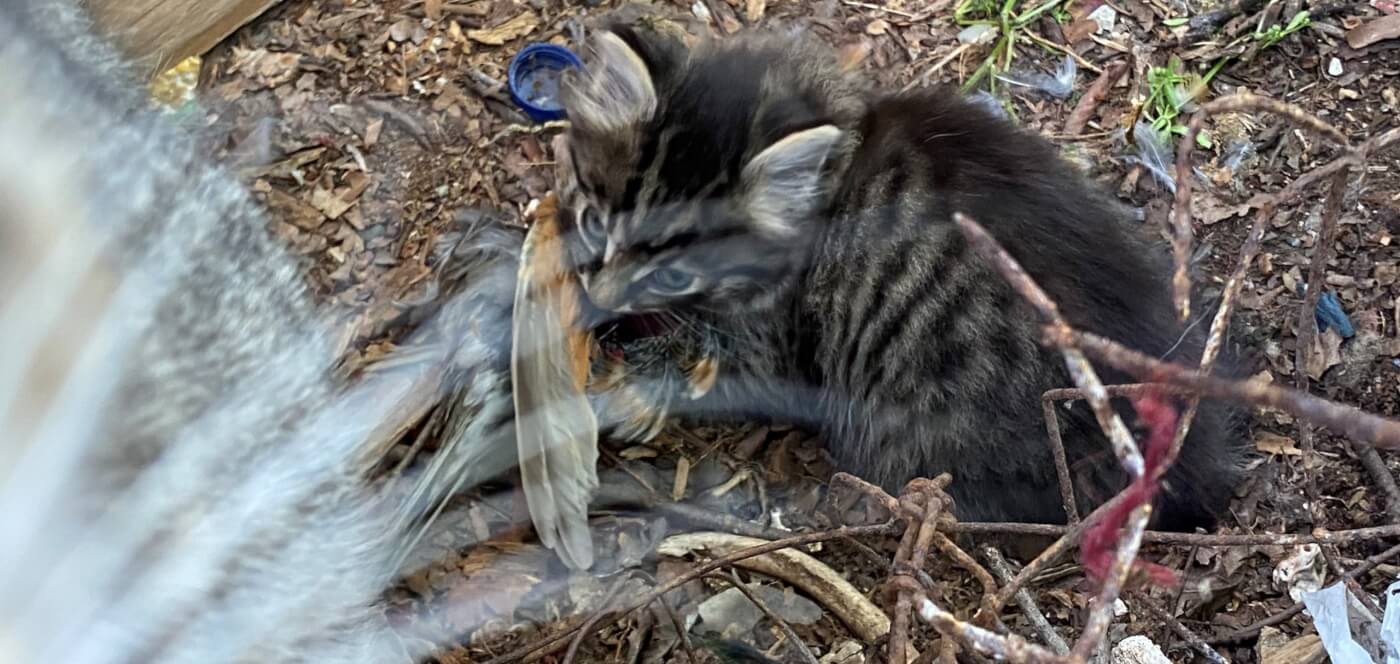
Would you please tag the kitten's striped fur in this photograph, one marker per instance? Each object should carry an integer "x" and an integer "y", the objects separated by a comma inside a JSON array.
[{"x": 802, "y": 223}]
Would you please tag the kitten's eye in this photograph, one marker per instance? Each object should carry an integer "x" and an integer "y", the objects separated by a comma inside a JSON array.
[
  {"x": 590, "y": 226},
  {"x": 668, "y": 280}
]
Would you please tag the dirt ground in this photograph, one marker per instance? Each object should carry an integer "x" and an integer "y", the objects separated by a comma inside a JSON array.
[{"x": 369, "y": 127}]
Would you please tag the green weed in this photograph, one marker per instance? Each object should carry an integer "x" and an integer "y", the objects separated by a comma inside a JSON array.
[{"x": 1276, "y": 34}]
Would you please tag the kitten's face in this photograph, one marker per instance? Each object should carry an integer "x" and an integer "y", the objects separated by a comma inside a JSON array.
[{"x": 668, "y": 208}]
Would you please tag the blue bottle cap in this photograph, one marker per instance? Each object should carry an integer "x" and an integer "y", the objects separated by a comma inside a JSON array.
[{"x": 534, "y": 76}]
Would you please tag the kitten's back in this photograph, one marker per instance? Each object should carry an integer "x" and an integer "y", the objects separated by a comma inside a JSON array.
[{"x": 924, "y": 326}]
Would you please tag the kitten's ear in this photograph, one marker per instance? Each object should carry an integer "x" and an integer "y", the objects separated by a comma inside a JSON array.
[
  {"x": 787, "y": 182},
  {"x": 615, "y": 89}
]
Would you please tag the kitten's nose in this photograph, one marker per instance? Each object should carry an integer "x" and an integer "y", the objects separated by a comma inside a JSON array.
[{"x": 608, "y": 294}]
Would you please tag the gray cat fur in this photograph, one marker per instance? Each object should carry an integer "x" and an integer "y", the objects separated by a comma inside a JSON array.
[{"x": 181, "y": 478}]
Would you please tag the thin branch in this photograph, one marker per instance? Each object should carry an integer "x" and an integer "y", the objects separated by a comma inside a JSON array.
[
  {"x": 552, "y": 643},
  {"x": 1357, "y": 157},
  {"x": 919, "y": 495},
  {"x": 788, "y": 631},
  {"x": 1307, "y": 316},
  {"x": 986, "y": 613},
  {"x": 1190, "y": 637},
  {"x": 1057, "y": 446},
  {"x": 1221, "y": 324},
  {"x": 1057, "y": 452},
  {"x": 1101, "y": 613},
  {"x": 584, "y": 629},
  {"x": 1347, "y": 420},
  {"x": 680, "y": 631},
  {"x": 1029, "y": 608},
  {"x": 1068, "y": 540},
  {"x": 1011, "y": 648},
  {"x": 1339, "y": 537},
  {"x": 1181, "y": 208}
]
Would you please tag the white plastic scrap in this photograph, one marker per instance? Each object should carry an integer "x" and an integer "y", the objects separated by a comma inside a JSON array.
[
  {"x": 1104, "y": 18},
  {"x": 979, "y": 34},
  {"x": 1338, "y": 626},
  {"x": 1302, "y": 572}
]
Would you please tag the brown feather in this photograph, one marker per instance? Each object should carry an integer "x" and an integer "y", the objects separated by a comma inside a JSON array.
[{"x": 556, "y": 430}]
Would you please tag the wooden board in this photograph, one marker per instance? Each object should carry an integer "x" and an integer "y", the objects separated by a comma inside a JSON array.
[{"x": 161, "y": 33}]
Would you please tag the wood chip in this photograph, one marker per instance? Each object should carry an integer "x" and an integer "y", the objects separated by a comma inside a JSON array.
[
  {"x": 682, "y": 479},
  {"x": 519, "y": 26},
  {"x": 754, "y": 10},
  {"x": 1385, "y": 27},
  {"x": 1269, "y": 442}
]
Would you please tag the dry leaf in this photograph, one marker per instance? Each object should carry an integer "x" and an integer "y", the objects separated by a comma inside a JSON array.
[
  {"x": 1326, "y": 352},
  {"x": 1272, "y": 443},
  {"x": 1385, "y": 27},
  {"x": 334, "y": 204},
  {"x": 515, "y": 28},
  {"x": 1211, "y": 210},
  {"x": 878, "y": 26},
  {"x": 1079, "y": 30},
  {"x": 268, "y": 69},
  {"x": 292, "y": 209},
  {"x": 372, "y": 131}
]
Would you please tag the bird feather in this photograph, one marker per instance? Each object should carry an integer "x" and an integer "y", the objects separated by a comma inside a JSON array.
[{"x": 556, "y": 429}]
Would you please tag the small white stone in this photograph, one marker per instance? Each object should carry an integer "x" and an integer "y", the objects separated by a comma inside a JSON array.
[
  {"x": 1119, "y": 608},
  {"x": 1334, "y": 67},
  {"x": 1138, "y": 650}
]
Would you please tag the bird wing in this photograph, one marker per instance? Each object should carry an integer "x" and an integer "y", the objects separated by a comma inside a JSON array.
[{"x": 556, "y": 430}]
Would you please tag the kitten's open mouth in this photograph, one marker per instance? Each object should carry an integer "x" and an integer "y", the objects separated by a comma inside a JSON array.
[{"x": 615, "y": 332}]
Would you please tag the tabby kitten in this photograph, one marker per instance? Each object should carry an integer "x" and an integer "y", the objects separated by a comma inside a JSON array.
[{"x": 754, "y": 195}]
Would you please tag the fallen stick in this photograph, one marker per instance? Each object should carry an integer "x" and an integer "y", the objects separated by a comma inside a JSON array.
[{"x": 806, "y": 573}]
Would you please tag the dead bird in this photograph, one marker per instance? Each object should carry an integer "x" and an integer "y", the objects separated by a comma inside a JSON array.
[{"x": 750, "y": 189}]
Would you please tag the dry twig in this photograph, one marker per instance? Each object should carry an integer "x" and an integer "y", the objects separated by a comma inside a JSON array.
[
  {"x": 791, "y": 634},
  {"x": 1101, "y": 607},
  {"x": 1338, "y": 537},
  {"x": 925, "y": 496},
  {"x": 552, "y": 643},
  {"x": 1027, "y": 603},
  {"x": 680, "y": 632},
  {"x": 1190, "y": 637},
  {"x": 1347, "y": 420},
  {"x": 1181, "y": 208}
]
